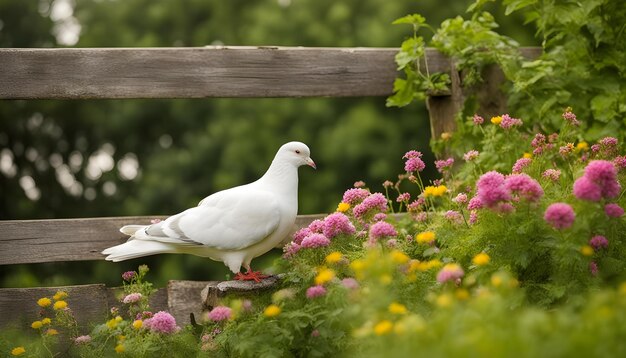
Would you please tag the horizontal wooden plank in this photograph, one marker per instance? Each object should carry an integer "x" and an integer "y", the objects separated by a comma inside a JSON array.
[
  {"x": 79, "y": 73},
  {"x": 35, "y": 241}
]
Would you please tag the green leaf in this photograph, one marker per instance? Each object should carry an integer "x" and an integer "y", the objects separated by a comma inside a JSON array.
[
  {"x": 414, "y": 19},
  {"x": 604, "y": 106}
]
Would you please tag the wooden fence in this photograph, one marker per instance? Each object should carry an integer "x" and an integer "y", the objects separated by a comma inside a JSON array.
[{"x": 122, "y": 73}]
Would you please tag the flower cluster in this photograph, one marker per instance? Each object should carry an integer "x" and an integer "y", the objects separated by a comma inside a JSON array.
[{"x": 598, "y": 182}]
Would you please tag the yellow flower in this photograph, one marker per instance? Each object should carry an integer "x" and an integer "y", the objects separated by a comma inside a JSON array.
[
  {"x": 118, "y": 319},
  {"x": 428, "y": 191},
  {"x": 383, "y": 327},
  {"x": 334, "y": 257},
  {"x": 496, "y": 280},
  {"x": 527, "y": 155},
  {"x": 386, "y": 279},
  {"x": 496, "y": 120},
  {"x": 444, "y": 300},
  {"x": 18, "y": 351},
  {"x": 440, "y": 190},
  {"x": 586, "y": 250},
  {"x": 137, "y": 324},
  {"x": 481, "y": 259},
  {"x": 44, "y": 302},
  {"x": 59, "y": 305},
  {"x": 121, "y": 338},
  {"x": 112, "y": 323},
  {"x": 46, "y": 321},
  {"x": 399, "y": 257},
  {"x": 446, "y": 135},
  {"x": 324, "y": 275},
  {"x": 397, "y": 308},
  {"x": 343, "y": 207},
  {"x": 60, "y": 295},
  {"x": 271, "y": 311},
  {"x": 461, "y": 294},
  {"x": 582, "y": 146},
  {"x": 425, "y": 237},
  {"x": 119, "y": 348},
  {"x": 52, "y": 332},
  {"x": 36, "y": 324}
]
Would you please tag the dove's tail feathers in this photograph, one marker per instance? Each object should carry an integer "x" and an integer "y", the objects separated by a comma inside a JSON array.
[
  {"x": 137, "y": 248},
  {"x": 131, "y": 229}
]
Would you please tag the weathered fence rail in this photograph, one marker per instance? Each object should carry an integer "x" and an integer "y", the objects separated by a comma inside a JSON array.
[{"x": 122, "y": 73}]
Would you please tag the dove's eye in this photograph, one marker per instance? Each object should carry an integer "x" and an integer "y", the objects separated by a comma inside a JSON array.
[{"x": 297, "y": 151}]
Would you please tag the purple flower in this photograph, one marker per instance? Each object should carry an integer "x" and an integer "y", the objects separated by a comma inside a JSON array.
[
  {"x": 478, "y": 120},
  {"x": 443, "y": 165},
  {"x": 552, "y": 174},
  {"x": 520, "y": 165},
  {"x": 82, "y": 339},
  {"x": 220, "y": 313},
  {"x": 599, "y": 242},
  {"x": 315, "y": 240},
  {"x": 290, "y": 250},
  {"x": 560, "y": 215},
  {"x": 162, "y": 322},
  {"x": 613, "y": 210},
  {"x": 601, "y": 172},
  {"x": 337, "y": 224},
  {"x": 585, "y": 189},
  {"x": 508, "y": 121},
  {"x": 491, "y": 189},
  {"x": 526, "y": 187},
  {"x": 132, "y": 298},
  {"x": 315, "y": 291},
  {"x": 471, "y": 155},
  {"x": 414, "y": 164},
  {"x": 350, "y": 283},
  {"x": 129, "y": 275},
  {"x": 355, "y": 195},
  {"x": 382, "y": 229},
  {"x": 474, "y": 203}
]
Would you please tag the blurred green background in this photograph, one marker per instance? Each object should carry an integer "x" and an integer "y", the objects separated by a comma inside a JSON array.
[{"x": 89, "y": 158}]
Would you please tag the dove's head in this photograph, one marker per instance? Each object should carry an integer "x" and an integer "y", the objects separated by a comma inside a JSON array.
[{"x": 296, "y": 153}]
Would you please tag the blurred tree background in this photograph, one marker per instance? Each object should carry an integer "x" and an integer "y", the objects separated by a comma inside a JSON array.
[{"x": 61, "y": 159}]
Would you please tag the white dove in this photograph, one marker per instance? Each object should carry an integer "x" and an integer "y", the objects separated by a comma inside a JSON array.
[{"x": 234, "y": 225}]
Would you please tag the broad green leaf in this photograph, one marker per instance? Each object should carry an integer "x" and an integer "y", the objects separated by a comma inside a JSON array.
[{"x": 414, "y": 19}]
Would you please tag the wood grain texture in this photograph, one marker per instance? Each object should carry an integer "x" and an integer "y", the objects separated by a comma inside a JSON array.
[
  {"x": 35, "y": 241},
  {"x": 80, "y": 73}
]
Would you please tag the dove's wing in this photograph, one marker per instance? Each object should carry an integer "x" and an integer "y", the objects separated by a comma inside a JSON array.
[{"x": 228, "y": 220}]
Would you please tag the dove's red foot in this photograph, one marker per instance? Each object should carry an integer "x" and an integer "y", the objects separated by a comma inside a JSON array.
[{"x": 255, "y": 276}]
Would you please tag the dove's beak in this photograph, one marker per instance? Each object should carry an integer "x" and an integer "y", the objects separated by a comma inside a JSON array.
[{"x": 311, "y": 163}]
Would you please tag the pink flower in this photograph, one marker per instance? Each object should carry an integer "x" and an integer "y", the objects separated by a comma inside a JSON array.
[
  {"x": 454, "y": 216},
  {"x": 491, "y": 189},
  {"x": 599, "y": 242},
  {"x": 461, "y": 198},
  {"x": 387, "y": 184},
  {"x": 593, "y": 268},
  {"x": 82, "y": 339},
  {"x": 450, "y": 272},
  {"x": 620, "y": 162},
  {"x": 315, "y": 240},
  {"x": 315, "y": 291},
  {"x": 538, "y": 141},
  {"x": 473, "y": 217},
  {"x": 608, "y": 146},
  {"x": 414, "y": 164},
  {"x": 613, "y": 210},
  {"x": 478, "y": 120},
  {"x": 143, "y": 315},
  {"x": 560, "y": 215},
  {"x": 290, "y": 250},
  {"x": 316, "y": 226},
  {"x": 421, "y": 217},
  {"x": 601, "y": 172},
  {"x": 382, "y": 229},
  {"x": 129, "y": 275},
  {"x": 392, "y": 243},
  {"x": 403, "y": 197},
  {"x": 220, "y": 313},
  {"x": 585, "y": 189},
  {"x": 355, "y": 195},
  {"x": 520, "y": 165},
  {"x": 132, "y": 298},
  {"x": 380, "y": 217},
  {"x": 162, "y": 322},
  {"x": 412, "y": 154},
  {"x": 350, "y": 283},
  {"x": 359, "y": 184},
  {"x": 526, "y": 187},
  {"x": 443, "y": 165},
  {"x": 376, "y": 201},
  {"x": 474, "y": 203},
  {"x": 508, "y": 121},
  {"x": 471, "y": 155},
  {"x": 315, "y": 333},
  {"x": 552, "y": 174},
  {"x": 571, "y": 118},
  {"x": 301, "y": 234},
  {"x": 337, "y": 224}
]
